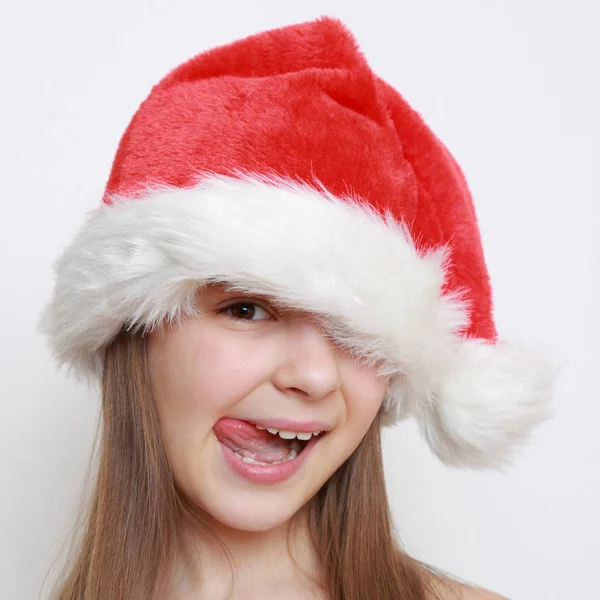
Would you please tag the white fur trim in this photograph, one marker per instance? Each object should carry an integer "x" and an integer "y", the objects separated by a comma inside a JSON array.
[
  {"x": 139, "y": 262},
  {"x": 487, "y": 406}
]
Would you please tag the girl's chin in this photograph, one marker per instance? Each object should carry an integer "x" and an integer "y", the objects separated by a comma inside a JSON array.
[
  {"x": 247, "y": 507},
  {"x": 251, "y": 519}
]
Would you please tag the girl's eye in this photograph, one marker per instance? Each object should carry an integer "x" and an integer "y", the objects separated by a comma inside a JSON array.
[{"x": 244, "y": 311}]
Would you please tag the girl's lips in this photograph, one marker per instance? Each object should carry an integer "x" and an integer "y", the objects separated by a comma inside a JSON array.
[{"x": 267, "y": 473}]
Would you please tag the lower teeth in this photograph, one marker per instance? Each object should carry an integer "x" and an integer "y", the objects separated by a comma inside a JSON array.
[{"x": 293, "y": 454}]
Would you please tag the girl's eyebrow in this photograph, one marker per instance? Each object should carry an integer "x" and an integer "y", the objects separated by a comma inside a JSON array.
[
  {"x": 224, "y": 295},
  {"x": 264, "y": 297},
  {"x": 268, "y": 299}
]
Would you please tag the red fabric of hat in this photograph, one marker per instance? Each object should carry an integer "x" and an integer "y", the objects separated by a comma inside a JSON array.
[{"x": 281, "y": 164}]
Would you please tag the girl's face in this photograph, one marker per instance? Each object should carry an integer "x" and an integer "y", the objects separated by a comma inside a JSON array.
[{"x": 243, "y": 365}]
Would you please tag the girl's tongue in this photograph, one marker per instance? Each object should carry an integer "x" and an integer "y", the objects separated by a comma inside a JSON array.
[{"x": 243, "y": 438}]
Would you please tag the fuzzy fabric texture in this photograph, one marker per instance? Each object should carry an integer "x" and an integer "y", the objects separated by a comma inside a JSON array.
[
  {"x": 140, "y": 262},
  {"x": 301, "y": 102},
  {"x": 282, "y": 165}
]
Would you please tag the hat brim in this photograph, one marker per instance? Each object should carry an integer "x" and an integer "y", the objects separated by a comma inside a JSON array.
[{"x": 139, "y": 261}]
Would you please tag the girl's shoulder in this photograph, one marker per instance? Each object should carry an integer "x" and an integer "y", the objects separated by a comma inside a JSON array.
[
  {"x": 474, "y": 593},
  {"x": 447, "y": 588}
]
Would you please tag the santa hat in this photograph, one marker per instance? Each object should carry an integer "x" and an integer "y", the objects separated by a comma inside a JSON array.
[{"x": 281, "y": 164}]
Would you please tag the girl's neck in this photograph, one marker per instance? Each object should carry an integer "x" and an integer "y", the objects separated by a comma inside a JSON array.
[{"x": 262, "y": 565}]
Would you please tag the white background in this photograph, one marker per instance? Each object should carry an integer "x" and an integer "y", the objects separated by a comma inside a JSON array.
[{"x": 512, "y": 87}]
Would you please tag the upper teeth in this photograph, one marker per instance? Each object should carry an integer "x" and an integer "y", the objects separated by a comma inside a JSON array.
[{"x": 290, "y": 435}]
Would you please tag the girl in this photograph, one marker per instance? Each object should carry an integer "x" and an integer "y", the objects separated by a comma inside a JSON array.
[{"x": 286, "y": 259}]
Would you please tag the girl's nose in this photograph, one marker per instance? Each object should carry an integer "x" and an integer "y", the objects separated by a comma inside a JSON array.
[{"x": 309, "y": 364}]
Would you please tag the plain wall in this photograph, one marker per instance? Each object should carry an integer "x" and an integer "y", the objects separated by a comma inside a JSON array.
[{"x": 513, "y": 88}]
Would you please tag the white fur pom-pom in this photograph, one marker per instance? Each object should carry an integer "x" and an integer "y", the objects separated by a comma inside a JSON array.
[{"x": 487, "y": 406}]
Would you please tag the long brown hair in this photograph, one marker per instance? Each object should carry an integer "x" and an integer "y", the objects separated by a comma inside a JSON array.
[{"x": 124, "y": 544}]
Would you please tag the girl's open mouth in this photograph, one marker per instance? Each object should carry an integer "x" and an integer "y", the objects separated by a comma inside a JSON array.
[{"x": 264, "y": 455}]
